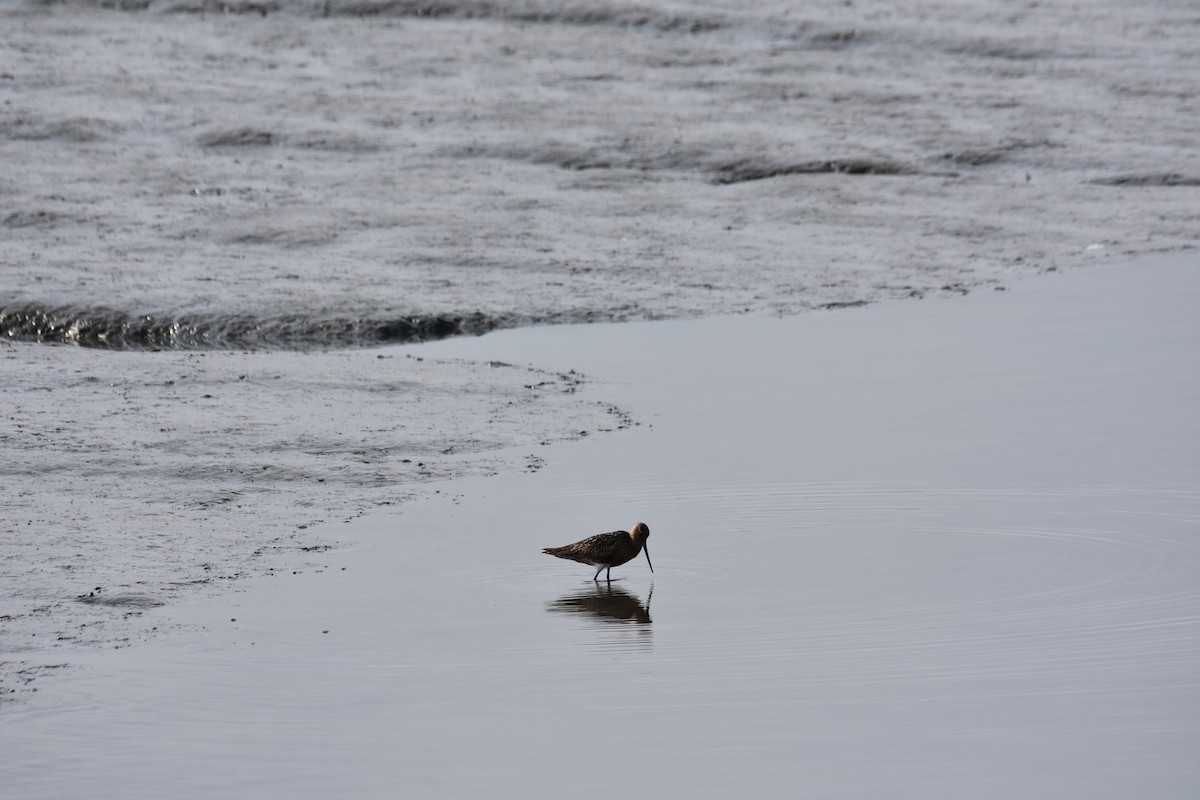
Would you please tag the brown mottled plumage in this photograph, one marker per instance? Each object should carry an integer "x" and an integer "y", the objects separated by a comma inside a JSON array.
[{"x": 607, "y": 550}]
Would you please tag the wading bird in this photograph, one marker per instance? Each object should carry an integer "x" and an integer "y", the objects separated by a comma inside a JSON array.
[{"x": 607, "y": 550}]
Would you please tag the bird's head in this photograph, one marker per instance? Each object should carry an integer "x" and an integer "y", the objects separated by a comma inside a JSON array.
[{"x": 640, "y": 533}]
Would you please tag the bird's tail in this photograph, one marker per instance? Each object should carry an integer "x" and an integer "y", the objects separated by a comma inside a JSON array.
[{"x": 567, "y": 552}]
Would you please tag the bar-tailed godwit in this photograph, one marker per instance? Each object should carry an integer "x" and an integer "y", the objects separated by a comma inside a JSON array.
[{"x": 607, "y": 550}]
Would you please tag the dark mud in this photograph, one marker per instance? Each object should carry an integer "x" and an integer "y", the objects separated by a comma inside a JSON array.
[
  {"x": 1151, "y": 179},
  {"x": 114, "y": 330},
  {"x": 650, "y": 157}
]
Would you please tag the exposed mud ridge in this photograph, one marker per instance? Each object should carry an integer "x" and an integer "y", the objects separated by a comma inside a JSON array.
[
  {"x": 1151, "y": 179},
  {"x": 745, "y": 171},
  {"x": 985, "y": 156},
  {"x": 629, "y": 16},
  {"x": 625, "y": 156},
  {"x": 98, "y": 597},
  {"x": 29, "y": 219},
  {"x": 75, "y": 130},
  {"x": 581, "y": 14},
  {"x": 251, "y": 136},
  {"x": 115, "y": 330}
]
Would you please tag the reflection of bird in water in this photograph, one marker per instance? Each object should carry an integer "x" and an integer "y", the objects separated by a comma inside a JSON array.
[
  {"x": 610, "y": 603},
  {"x": 607, "y": 550}
]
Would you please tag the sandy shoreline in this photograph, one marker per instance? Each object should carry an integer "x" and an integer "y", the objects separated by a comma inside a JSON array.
[{"x": 133, "y": 479}]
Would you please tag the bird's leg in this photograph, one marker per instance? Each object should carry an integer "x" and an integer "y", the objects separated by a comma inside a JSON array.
[
  {"x": 596, "y": 577},
  {"x": 608, "y": 575}
]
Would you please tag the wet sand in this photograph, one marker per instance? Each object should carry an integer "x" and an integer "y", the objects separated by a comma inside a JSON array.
[
  {"x": 929, "y": 550},
  {"x": 133, "y": 478}
]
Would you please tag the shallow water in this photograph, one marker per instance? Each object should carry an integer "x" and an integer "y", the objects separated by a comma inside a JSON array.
[{"x": 912, "y": 551}]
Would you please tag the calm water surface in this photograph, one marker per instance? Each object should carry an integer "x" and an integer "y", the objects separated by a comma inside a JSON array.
[{"x": 917, "y": 551}]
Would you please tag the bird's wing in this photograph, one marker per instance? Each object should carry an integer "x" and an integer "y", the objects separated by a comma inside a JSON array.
[{"x": 604, "y": 545}]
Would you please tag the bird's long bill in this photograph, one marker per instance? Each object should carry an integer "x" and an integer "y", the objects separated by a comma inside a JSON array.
[{"x": 646, "y": 550}]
